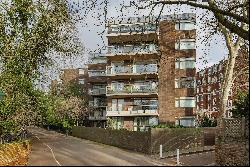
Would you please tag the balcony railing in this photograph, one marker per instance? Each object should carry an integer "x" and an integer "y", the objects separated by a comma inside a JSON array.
[
  {"x": 97, "y": 104},
  {"x": 96, "y": 73},
  {"x": 132, "y": 110},
  {"x": 130, "y": 89},
  {"x": 97, "y": 91},
  {"x": 130, "y": 28},
  {"x": 135, "y": 69},
  {"x": 97, "y": 118},
  {"x": 98, "y": 61},
  {"x": 146, "y": 49}
]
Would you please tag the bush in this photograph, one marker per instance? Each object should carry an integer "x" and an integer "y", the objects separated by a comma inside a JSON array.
[
  {"x": 167, "y": 126},
  {"x": 241, "y": 105},
  {"x": 206, "y": 122}
]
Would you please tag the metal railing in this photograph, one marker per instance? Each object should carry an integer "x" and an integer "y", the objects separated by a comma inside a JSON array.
[
  {"x": 130, "y": 28},
  {"x": 147, "y": 48},
  {"x": 98, "y": 104},
  {"x": 97, "y": 91},
  {"x": 130, "y": 88},
  {"x": 132, "y": 110},
  {"x": 96, "y": 73},
  {"x": 135, "y": 69},
  {"x": 97, "y": 117}
]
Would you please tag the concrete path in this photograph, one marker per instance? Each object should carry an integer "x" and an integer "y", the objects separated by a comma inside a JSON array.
[{"x": 50, "y": 148}]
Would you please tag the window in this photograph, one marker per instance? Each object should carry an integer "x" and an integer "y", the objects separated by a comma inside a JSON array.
[
  {"x": 185, "y": 44},
  {"x": 184, "y": 63},
  {"x": 201, "y": 97},
  {"x": 197, "y": 98},
  {"x": 81, "y": 81},
  {"x": 203, "y": 81},
  {"x": 186, "y": 121},
  {"x": 114, "y": 29},
  {"x": 185, "y": 102},
  {"x": 81, "y": 71},
  {"x": 197, "y": 90},
  {"x": 208, "y": 88},
  {"x": 118, "y": 122},
  {"x": 185, "y": 25},
  {"x": 208, "y": 97},
  {"x": 185, "y": 82},
  {"x": 209, "y": 79},
  {"x": 117, "y": 104}
]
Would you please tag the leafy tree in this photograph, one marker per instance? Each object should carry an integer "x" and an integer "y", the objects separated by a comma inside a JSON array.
[
  {"x": 29, "y": 31},
  {"x": 241, "y": 105},
  {"x": 206, "y": 122}
]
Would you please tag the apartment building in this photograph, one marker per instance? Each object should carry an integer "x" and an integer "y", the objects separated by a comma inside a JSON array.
[
  {"x": 209, "y": 85},
  {"x": 77, "y": 76},
  {"x": 97, "y": 83},
  {"x": 150, "y": 71}
]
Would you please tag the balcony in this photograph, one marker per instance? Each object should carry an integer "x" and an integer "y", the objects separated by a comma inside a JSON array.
[
  {"x": 131, "y": 49},
  {"x": 96, "y": 91},
  {"x": 131, "y": 89},
  {"x": 97, "y": 104},
  {"x": 132, "y": 111},
  {"x": 120, "y": 29},
  {"x": 97, "y": 58},
  {"x": 96, "y": 73},
  {"x": 132, "y": 70},
  {"x": 95, "y": 118}
]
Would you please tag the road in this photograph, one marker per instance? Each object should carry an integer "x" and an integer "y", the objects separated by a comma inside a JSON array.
[{"x": 50, "y": 148}]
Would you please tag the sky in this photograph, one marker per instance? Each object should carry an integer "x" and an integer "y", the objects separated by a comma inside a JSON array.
[
  {"x": 92, "y": 35},
  {"x": 214, "y": 50}
]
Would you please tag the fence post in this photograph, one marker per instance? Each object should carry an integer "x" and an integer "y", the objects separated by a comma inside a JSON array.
[
  {"x": 161, "y": 151},
  {"x": 243, "y": 123},
  {"x": 178, "y": 157}
]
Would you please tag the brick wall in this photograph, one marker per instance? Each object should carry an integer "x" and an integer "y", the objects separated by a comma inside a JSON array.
[
  {"x": 232, "y": 143},
  {"x": 136, "y": 141},
  {"x": 185, "y": 139},
  {"x": 168, "y": 73},
  {"x": 177, "y": 138}
]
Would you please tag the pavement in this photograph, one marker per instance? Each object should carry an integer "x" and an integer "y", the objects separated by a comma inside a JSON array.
[{"x": 50, "y": 148}]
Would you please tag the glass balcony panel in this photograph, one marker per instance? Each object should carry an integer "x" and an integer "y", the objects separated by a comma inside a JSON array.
[
  {"x": 96, "y": 73},
  {"x": 149, "y": 48}
]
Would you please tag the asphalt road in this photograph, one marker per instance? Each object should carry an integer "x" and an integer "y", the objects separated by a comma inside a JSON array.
[{"x": 54, "y": 149}]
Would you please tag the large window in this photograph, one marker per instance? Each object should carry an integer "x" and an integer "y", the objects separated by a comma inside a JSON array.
[
  {"x": 184, "y": 63},
  {"x": 188, "y": 122},
  {"x": 185, "y": 82},
  {"x": 118, "y": 122},
  {"x": 185, "y": 25},
  {"x": 117, "y": 104},
  {"x": 185, "y": 102},
  {"x": 185, "y": 44}
]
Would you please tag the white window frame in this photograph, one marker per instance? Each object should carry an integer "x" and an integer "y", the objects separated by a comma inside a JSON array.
[
  {"x": 181, "y": 25},
  {"x": 185, "y": 44},
  {"x": 184, "y": 63},
  {"x": 178, "y": 103}
]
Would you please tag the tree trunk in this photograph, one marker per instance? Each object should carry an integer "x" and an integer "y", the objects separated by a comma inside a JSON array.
[{"x": 233, "y": 48}]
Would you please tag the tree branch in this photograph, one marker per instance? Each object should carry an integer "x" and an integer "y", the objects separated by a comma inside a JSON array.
[{"x": 211, "y": 8}]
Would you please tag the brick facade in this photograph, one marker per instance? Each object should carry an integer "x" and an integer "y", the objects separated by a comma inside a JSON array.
[
  {"x": 209, "y": 85},
  {"x": 168, "y": 112}
]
